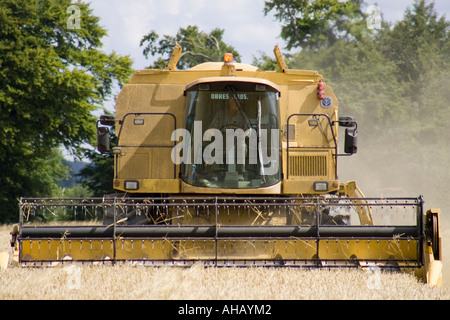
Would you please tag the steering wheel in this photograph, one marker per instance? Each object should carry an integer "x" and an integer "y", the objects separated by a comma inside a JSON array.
[{"x": 231, "y": 126}]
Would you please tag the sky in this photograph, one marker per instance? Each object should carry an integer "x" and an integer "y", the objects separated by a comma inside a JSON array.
[{"x": 246, "y": 27}]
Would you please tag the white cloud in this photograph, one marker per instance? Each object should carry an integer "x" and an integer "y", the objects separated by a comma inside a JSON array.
[
  {"x": 127, "y": 22},
  {"x": 246, "y": 27}
]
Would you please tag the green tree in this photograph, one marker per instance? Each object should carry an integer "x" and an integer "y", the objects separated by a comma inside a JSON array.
[
  {"x": 394, "y": 82},
  {"x": 416, "y": 43},
  {"x": 198, "y": 47},
  {"x": 364, "y": 82},
  {"x": 317, "y": 23},
  {"x": 53, "y": 75},
  {"x": 98, "y": 175},
  {"x": 265, "y": 62},
  {"x": 419, "y": 46}
]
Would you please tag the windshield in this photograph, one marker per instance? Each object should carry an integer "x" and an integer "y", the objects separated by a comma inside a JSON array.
[{"x": 233, "y": 136}]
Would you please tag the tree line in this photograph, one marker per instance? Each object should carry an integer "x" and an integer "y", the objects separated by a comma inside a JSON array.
[{"x": 54, "y": 76}]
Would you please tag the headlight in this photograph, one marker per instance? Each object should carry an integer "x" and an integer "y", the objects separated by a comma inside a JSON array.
[
  {"x": 131, "y": 185},
  {"x": 321, "y": 186}
]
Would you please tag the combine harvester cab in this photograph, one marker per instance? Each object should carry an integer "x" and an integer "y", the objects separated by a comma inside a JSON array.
[{"x": 228, "y": 165}]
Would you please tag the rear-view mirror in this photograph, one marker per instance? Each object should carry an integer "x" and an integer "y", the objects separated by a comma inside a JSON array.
[
  {"x": 103, "y": 140},
  {"x": 351, "y": 141}
]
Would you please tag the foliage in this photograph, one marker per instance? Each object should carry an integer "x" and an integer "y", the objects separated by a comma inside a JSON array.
[
  {"x": 315, "y": 24},
  {"x": 36, "y": 177},
  {"x": 198, "y": 47},
  {"x": 265, "y": 62},
  {"x": 417, "y": 42},
  {"x": 98, "y": 175},
  {"x": 53, "y": 75},
  {"x": 394, "y": 82}
]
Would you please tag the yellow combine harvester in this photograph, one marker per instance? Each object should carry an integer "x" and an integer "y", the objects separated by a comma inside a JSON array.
[{"x": 228, "y": 165}]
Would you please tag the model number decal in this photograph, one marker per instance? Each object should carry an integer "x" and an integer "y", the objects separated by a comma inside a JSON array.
[{"x": 226, "y": 96}]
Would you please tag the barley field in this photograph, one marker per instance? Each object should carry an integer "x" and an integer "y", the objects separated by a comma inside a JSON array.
[{"x": 129, "y": 282}]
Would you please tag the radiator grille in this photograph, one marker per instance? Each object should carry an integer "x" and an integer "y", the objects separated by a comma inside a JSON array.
[{"x": 308, "y": 166}]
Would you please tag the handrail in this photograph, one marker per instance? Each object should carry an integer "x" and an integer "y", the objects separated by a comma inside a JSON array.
[{"x": 332, "y": 132}]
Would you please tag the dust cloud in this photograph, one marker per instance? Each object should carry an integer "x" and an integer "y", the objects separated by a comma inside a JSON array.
[{"x": 394, "y": 168}]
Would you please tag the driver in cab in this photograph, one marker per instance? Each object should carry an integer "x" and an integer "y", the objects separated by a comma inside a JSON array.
[{"x": 231, "y": 117}]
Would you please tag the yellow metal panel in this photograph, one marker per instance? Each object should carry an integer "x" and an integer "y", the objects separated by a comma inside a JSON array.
[
  {"x": 223, "y": 249},
  {"x": 151, "y": 185},
  {"x": 297, "y": 187},
  {"x": 145, "y": 163},
  {"x": 150, "y": 97},
  {"x": 156, "y": 129},
  {"x": 305, "y": 186},
  {"x": 266, "y": 249},
  {"x": 209, "y": 249},
  {"x": 165, "y": 249},
  {"x": 161, "y": 165},
  {"x": 186, "y": 188},
  {"x": 195, "y": 249},
  {"x": 143, "y": 249},
  {"x": 54, "y": 250},
  {"x": 134, "y": 165},
  {"x": 161, "y": 185},
  {"x": 336, "y": 249}
]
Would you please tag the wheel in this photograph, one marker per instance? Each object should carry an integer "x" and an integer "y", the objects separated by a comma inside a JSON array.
[
  {"x": 432, "y": 232},
  {"x": 435, "y": 236}
]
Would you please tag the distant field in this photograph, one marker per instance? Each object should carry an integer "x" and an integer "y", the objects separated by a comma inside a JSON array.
[{"x": 199, "y": 283}]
